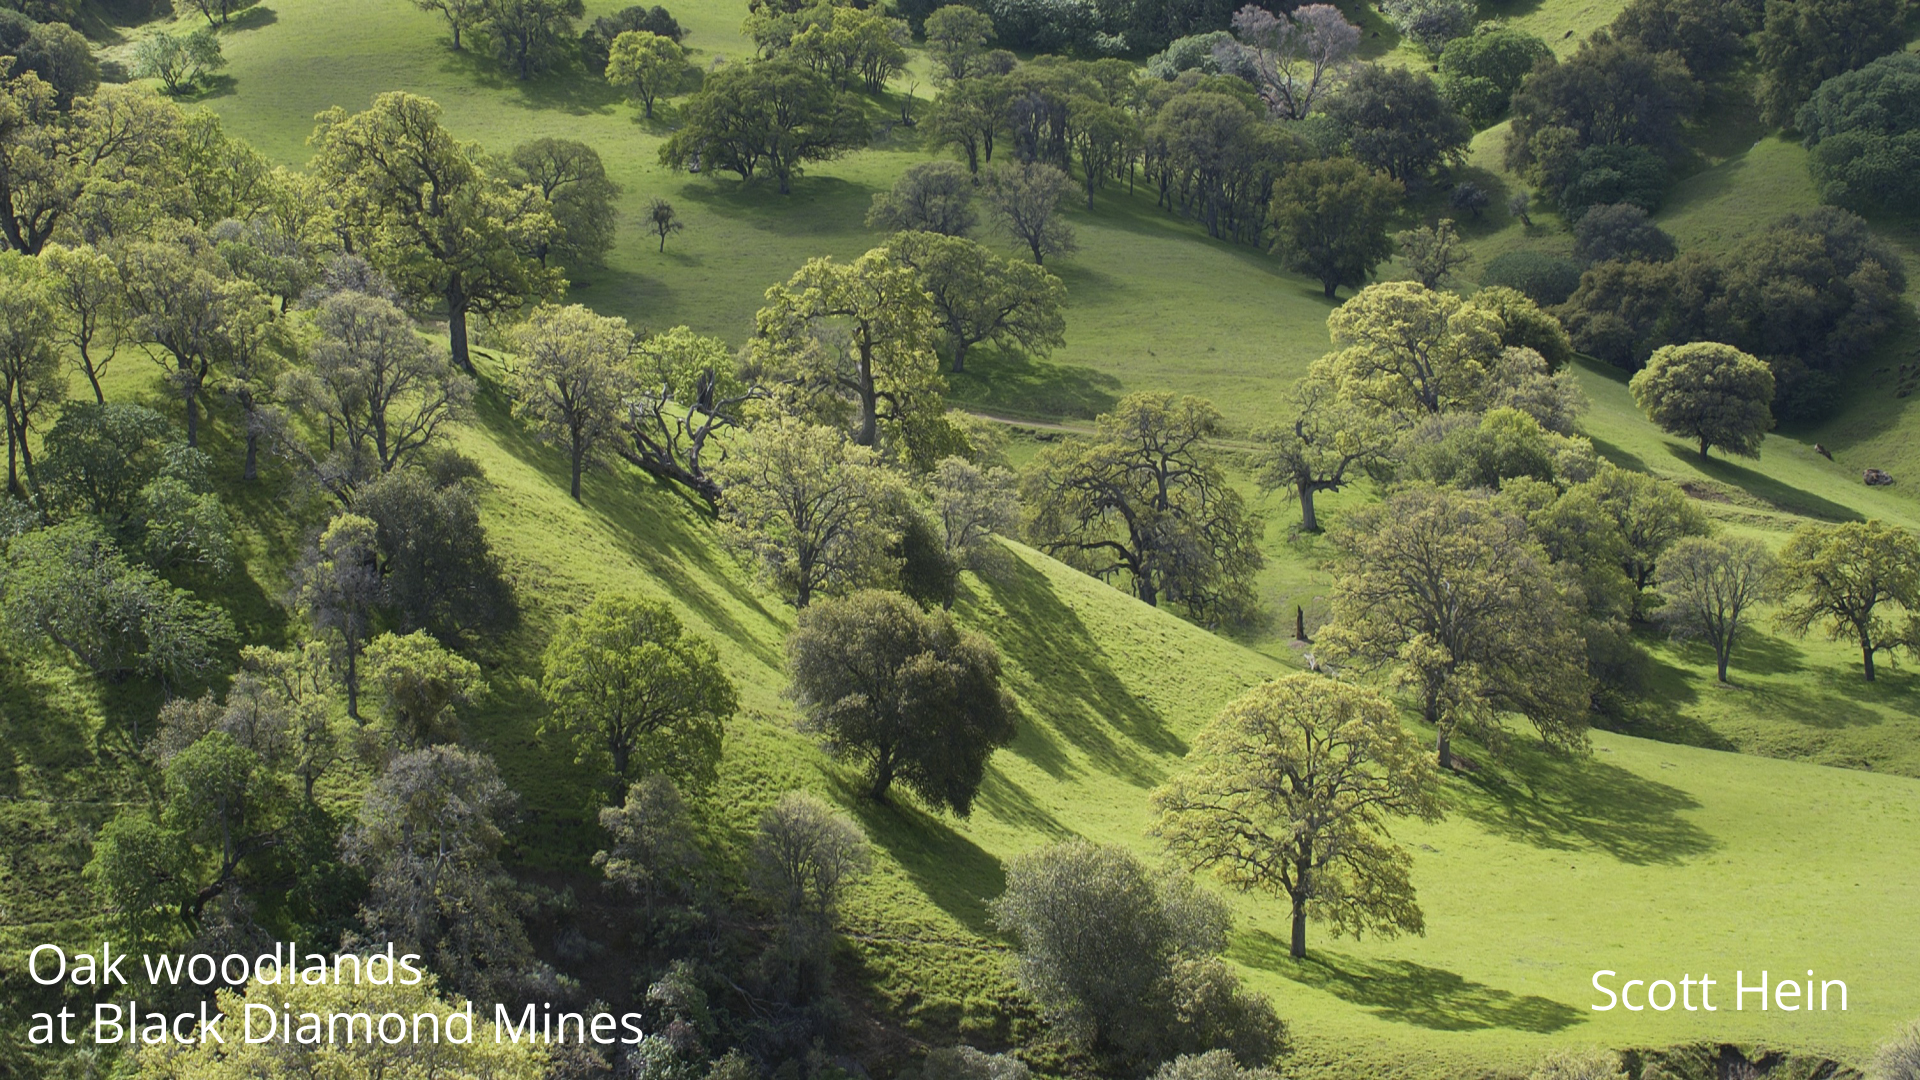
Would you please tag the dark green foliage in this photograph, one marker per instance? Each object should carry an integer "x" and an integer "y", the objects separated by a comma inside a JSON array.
[
  {"x": 1330, "y": 220},
  {"x": 598, "y": 38},
  {"x": 1620, "y": 232},
  {"x": 100, "y": 457},
  {"x": 768, "y": 115},
  {"x": 1524, "y": 324},
  {"x": 1213, "y": 157},
  {"x": 1470, "y": 197},
  {"x": 902, "y": 690},
  {"x": 52, "y": 50},
  {"x": 1610, "y": 93},
  {"x": 1480, "y": 72},
  {"x": 429, "y": 837},
  {"x": 1709, "y": 35},
  {"x": 438, "y": 571},
  {"x": 46, "y": 11},
  {"x": 1803, "y": 43},
  {"x": 531, "y": 36},
  {"x": 1863, "y": 129},
  {"x": 931, "y": 196},
  {"x": 1396, "y": 122},
  {"x": 1545, "y": 278},
  {"x": 928, "y": 574},
  {"x": 1430, "y": 24},
  {"x": 1612, "y": 174},
  {"x": 1807, "y": 294}
]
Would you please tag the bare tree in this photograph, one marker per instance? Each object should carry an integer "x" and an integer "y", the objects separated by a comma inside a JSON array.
[
  {"x": 1293, "y": 59},
  {"x": 1025, "y": 201}
]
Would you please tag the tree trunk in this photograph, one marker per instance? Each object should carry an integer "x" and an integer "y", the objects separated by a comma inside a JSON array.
[
  {"x": 13, "y": 454},
  {"x": 1866, "y": 655},
  {"x": 882, "y": 779},
  {"x": 1704, "y": 447},
  {"x": 1297, "y": 948},
  {"x": 579, "y": 452},
  {"x": 1723, "y": 667},
  {"x": 457, "y": 328},
  {"x": 353, "y": 684},
  {"x": 1309, "y": 522},
  {"x": 1299, "y": 623},
  {"x": 251, "y": 470},
  {"x": 1445, "y": 746},
  {"x": 959, "y": 355},
  {"x": 192, "y": 395},
  {"x": 93, "y": 378},
  {"x": 1330, "y": 287}
]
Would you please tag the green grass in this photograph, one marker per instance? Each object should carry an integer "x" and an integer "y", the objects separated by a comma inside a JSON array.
[{"x": 1651, "y": 857}]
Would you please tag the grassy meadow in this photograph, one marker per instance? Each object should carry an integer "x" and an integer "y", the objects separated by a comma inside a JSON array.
[{"x": 1712, "y": 833}]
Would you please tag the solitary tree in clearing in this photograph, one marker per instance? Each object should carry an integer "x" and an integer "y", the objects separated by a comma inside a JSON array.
[
  {"x": 663, "y": 220},
  {"x": 1711, "y": 393},
  {"x": 1290, "y": 793}
]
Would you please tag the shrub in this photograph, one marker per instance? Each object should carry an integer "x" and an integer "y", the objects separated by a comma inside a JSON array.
[
  {"x": 1545, "y": 279},
  {"x": 1480, "y": 72},
  {"x": 1620, "y": 231}
]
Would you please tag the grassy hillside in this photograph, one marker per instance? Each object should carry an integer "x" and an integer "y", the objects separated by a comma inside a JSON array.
[{"x": 1651, "y": 858}]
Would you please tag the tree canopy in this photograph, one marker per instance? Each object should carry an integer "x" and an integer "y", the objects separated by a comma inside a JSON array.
[
  {"x": 1290, "y": 791},
  {"x": 905, "y": 691},
  {"x": 1711, "y": 393}
]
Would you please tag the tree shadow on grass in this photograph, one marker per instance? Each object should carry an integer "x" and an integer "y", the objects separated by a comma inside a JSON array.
[
  {"x": 1020, "y": 386},
  {"x": 1067, "y": 686},
  {"x": 1405, "y": 992},
  {"x": 1562, "y": 803},
  {"x": 1613, "y": 453},
  {"x": 44, "y": 736},
  {"x": 568, "y": 88},
  {"x": 253, "y": 18},
  {"x": 656, "y": 533},
  {"x": 1785, "y": 497},
  {"x": 817, "y": 205},
  {"x": 954, "y": 872}
]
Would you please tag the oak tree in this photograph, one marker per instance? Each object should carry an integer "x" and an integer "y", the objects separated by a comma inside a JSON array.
[
  {"x": 1290, "y": 791},
  {"x": 915, "y": 698}
]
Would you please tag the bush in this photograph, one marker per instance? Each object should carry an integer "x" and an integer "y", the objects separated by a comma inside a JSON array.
[
  {"x": 1899, "y": 1057},
  {"x": 1863, "y": 131},
  {"x": 1620, "y": 231},
  {"x": 1126, "y": 962},
  {"x": 1191, "y": 53},
  {"x": 1480, "y": 72},
  {"x": 1431, "y": 24},
  {"x": 1545, "y": 279},
  {"x": 1613, "y": 174}
]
